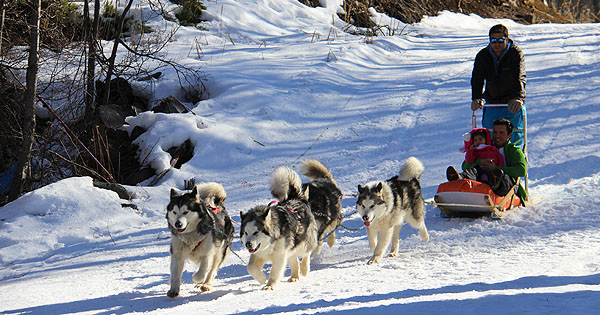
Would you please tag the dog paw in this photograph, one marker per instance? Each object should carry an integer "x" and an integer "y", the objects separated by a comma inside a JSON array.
[
  {"x": 204, "y": 287},
  {"x": 172, "y": 293},
  {"x": 294, "y": 279},
  {"x": 268, "y": 288},
  {"x": 393, "y": 255},
  {"x": 373, "y": 260}
]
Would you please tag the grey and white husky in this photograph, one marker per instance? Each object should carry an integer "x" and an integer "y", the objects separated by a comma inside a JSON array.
[
  {"x": 325, "y": 199},
  {"x": 280, "y": 232},
  {"x": 385, "y": 205},
  {"x": 201, "y": 231}
]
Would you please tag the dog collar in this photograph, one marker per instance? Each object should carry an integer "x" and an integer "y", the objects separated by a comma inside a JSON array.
[
  {"x": 197, "y": 245},
  {"x": 214, "y": 210}
]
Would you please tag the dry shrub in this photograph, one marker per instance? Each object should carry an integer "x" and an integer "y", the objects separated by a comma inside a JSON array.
[
  {"x": 60, "y": 22},
  {"x": 412, "y": 11}
]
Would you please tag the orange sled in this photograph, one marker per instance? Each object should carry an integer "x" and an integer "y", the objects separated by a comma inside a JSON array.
[{"x": 465, "y": 197}]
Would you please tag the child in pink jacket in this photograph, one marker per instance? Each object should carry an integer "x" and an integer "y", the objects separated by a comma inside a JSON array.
[{"x": 479, "y": 146}]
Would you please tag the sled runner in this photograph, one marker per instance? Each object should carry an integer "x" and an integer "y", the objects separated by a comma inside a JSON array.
[{"x": 465, "y": 197}]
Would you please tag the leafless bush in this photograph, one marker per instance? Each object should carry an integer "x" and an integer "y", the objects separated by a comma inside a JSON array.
[
  {"x": 412, "y": 11},
  {"x": 56, "y": 154},
  {"x": 578, "y": 11}
]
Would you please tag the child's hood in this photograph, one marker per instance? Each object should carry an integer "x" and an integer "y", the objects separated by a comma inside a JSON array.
[{"x": 468, "y": 137}]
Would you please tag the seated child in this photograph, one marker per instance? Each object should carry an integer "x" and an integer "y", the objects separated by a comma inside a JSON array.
[{"x": 478, "y": 145}]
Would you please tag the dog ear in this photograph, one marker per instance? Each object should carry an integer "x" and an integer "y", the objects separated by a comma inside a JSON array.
[
  {"x": 305, "y": 193},
  {"x": 195, "y": 193},
  {"x": 361, "y": 188},
  {"x": 173, "y": 193},
  {"x": 241, "y": 215},
  {"x": 379, "y": 187},
  {"x": 268, "y": 217}
]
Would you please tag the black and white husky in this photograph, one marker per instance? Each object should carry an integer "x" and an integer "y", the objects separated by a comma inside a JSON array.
[
  {"x": 280, "y": 232},
  {"x": 201, "y": 231},
  {"x": 325, "y": 199},
  {"x": 384, "y": 205}
]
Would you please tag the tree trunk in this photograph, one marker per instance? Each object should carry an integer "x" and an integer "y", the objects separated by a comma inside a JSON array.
[
  {"x": 91, "y": 37},
  {"x": 113, "y": 56},
  {"x": 89, "y": 71},
  {"x": 2, "y": 14},
  {"x": 24, "y": 163}
]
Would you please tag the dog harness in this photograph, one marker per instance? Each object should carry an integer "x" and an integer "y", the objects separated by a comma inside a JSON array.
[
  {"x": 197, "y": 245},
  {"x": 278, "y": 203},
  {"x": 213, "y": 210}
]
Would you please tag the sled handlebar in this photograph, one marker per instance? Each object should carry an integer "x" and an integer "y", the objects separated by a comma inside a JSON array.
[{"x": 485, "y": 105}]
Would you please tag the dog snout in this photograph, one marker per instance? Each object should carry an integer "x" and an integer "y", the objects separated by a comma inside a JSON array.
[
  {"x": 248, "y": 245},
  {"x": 365, "y": 217},
  {"x": 178, "y": 225}
]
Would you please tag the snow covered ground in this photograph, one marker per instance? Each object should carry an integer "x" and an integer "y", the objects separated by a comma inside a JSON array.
[{"x": 287, "y": 83}]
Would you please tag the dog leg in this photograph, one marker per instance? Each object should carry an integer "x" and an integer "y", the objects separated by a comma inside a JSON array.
[
  {"x": 277, "y": 268},
  {"x": 305, "y": 265},
  {"x": 385, "y": 236},
  {"x": 331, "y": 239},
  {"x": 420, "y": 225},
  {"x": 317, "y": 249},
  {"x": 395, "y": 241},
  {"x": 219, "y": 258},
  {"x": 200, "y": 276},
  {"x": 177, "y": 263},
  {"x": 215, "y": 263},
  {"x": 295, "y": 267},
  {"x": 423, "y": 233},
  {"x": 255, "y": 266},
  {"x": 372, "y": 235}
]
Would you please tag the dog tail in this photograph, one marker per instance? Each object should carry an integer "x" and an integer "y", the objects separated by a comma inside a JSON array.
[
  {"x": 314, "y": 169},
  {"x": 286, "y": 184},
  {"x": 412, "y": 168},
  {"x": 212, "y": 193}
]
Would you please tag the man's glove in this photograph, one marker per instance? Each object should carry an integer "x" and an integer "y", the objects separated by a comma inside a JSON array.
[
  {"x": 514, "y": 105},
  {"x": 476, "y": 104}
]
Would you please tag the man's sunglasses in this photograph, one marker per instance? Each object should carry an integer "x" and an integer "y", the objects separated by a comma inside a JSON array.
[{"x": 497, "y": 40}]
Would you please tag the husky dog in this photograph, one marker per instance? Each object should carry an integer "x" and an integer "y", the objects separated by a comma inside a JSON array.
[
  {"x": 201, "y": 231},
  {"x": 280, "y": 232},
  {"x": 385, "y": 205},
  {"x": 325, "y": 200}
]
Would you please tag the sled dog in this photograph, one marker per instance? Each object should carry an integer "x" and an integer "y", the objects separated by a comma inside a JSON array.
[
  {"x": 384, "y": 205},
  {"x": 280, "y": 232},
  {"x": 325, "y": 200},
  {"x": 201, "y": 231}
]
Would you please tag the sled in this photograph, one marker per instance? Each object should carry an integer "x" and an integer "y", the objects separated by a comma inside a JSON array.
[
  {"x": 465, "y": 197},
  {"x": 469, "y": 198}
]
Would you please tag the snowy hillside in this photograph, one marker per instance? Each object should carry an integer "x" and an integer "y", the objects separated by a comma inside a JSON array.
[{"x": 288, "y": 84}]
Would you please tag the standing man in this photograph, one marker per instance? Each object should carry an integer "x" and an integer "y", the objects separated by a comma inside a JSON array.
[{"x": 501, "y": 66}]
